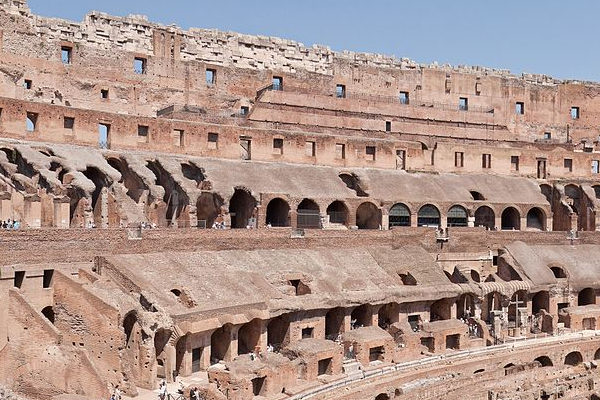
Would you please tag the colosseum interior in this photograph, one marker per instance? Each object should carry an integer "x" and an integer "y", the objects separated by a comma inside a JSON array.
[{"x": 263, "y": 220}]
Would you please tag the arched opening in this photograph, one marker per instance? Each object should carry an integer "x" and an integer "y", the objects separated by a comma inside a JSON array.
[
  {"x": 573, "y": 194},
  {"x": 559, "y": 272},
  {"x": 573, "y": 358},
  {"x": 161, "y": 338},
  {"x": 596, "y": 191},
  {"x": 457, "y": 216},
  {"x": 597, "y": 355},
  {"x": 220, "y": 343},
  {"x": 485, "y": 217},
  {"x": 536, "y": 219},
  {"x": 440, "y": 310},
  {"x": 494, "y": 303},
  {"x": 241, "y": 209},
  {"x": 361, "y": 316},
  {"x": 509, "y": 365},
  {"x": 135, "y": 185},
  {"x": 511, "y": 219},
  {"x": 407, "y": 279},
  {"x": 175, "y": 197},
  {"x": 368, "y": 216},
  {"x": 309, "y": 215},
  {"x": 475, "y": 277},
  {"x": 586, "y": 296},
  {"x": 465, "y": 306},
  {"x": 278, "y": 213},
  {"x": 129, "y": 323},
  {"x": 428, "y": 215},
  {"x": 180, "y": 349},
  {"x": 277, "y": 331},
  {"x": 48, "y": 312},
  {"x": 334, "y": 323},
  {"x": 387, "y": 315},
  {"x": 517, "y": 301},
  {"x": 399, "y": 215},
  {"x": 208, "y": 208},
  {"x": 249, "y": 336},
  {"x": 540, "y": 301},
  {"x": 476, "y": 195},
  {"x": 338, "y": 213},
  {"x": 382, "y": 396},
  {"x": 544, "y": 361},
  {"x": 100, "y": 180},
  {"x": 353, "y": 183}
]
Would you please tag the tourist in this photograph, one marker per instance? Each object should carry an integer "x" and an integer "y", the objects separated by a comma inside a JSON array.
[
  {"x": 195, "y": 394},
  {"x": 162, "y": 390},
  {"x": 117, "y": 393},
  {"x": 16, "y": 225}
]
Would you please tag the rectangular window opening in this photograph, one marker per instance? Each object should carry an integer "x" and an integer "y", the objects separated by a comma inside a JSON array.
[
  {"x": 340, "y": 91},
  {"x": 325, "y": 366},
  {"x": 213, "y": 140},
  {"x": 104, "y": 136},
  {"x": 244, "y": 110},
  {"x": 178, "y": 137},
  {"x": 19, "y": 278},
  {"x": 388, "y": 126},
  {"x": 340, "y": 151},
  {"x": 404, "y": 99},
  {"x": 48, "y": 275},
  {"x": 277, "y": 146},
  {"x": 514, "y": 163},
  {"x": 568, "y": 164},
  {"x": 104, "y": 94},
  {"x": 277, "y": 83},
  {"x": 139, "y": 65},
  {"x": 574, "y": 112},
  {"x": 307, "y": 333},
  {"x": 65, "y": 54},
  {"x": 31, "y": 122},
  {"x": 595, "y": 166},
  {"x": 310, "y": 148},
  {"x": 69, "y": 123},
  {"x": 401, "y": 159},
  {"x": 143, "y": 130},
  {"x": 486, "y": 161},
  {"x": 28, "y": 84},
  {"x": 547, "y": 135},
  {"x": 520, "y": 108},
  {"x": 246, "y": 148},
  {"x": 376, "y": 354},
  {"x": 370, "y": 152},
  {"x": 463, "y": 104},
  {"x": 459, "y": 159},
  {"x": 211, "y": 76}
]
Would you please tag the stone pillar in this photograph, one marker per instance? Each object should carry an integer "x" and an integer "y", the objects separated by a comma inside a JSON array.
[
  {"x": 351, "y": 220},
  {"x": 385, "y": 219},
  {"x": 498, "y": 222},
  {"x": 453, "y": 310},
  {"x": 262, "y": 341},
  {"x": 170, "y": 360},
  {"x": 33, "y": 211},
  {"x": 443, "y": 220},
  {"x": 347, "y": 320},
  {"x": 61, "y": 212},
  {"x": 293, "y": 219},
  {"x": 524, "y": 223},
  {"x": 233, "y": 344},
  {"x": 192, "y": 216},
  {"x": 5, "y": 206},
  {"x": 413, "y": 219},
  {"x": 471, "y": 222}
]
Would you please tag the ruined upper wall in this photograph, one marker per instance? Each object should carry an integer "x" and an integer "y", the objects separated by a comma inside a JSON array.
[{"x": 135, "y": 33}]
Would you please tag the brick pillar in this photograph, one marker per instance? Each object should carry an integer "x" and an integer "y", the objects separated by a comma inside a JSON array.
[
  {"x": 293, "y": 219},
  {"x": 413, "y": 219},
  {"x": 32, "y": 212},
  {"x": 61, "y": 212}
]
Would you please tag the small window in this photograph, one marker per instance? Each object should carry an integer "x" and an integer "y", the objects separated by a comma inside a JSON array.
[
  {"x": 486, "y": 161},
  {"x": 340, "y": 91},
  {"x": 547, "y": 135},
  {"x": 213, "y": 140},
  {"x": 277, "y": 146},
  {"x": 178, "y": 137},
  {"x": 404, "y": 98},
  {"x": 477, "y": 88},
  {"x": 574, "y": 112},
  {"x": 388, "y": 126},
  {"x": 48, "y": 274},
  {"x": 459, "y": 159},
  {"x": 103, "y": 136},
  {"x": 595, "y": 166},
  {"x": 277, "y": 83},
  {"x": 463, "y": 104},
  {"x": 31, "y": 122},
  {"x": 65, "y": 54},
  {"x": 307, "y": 333},
  {"x": 514, "y": 163},
  {"x": 568, "y": 164},
  {"x": 520, "y": 108},
  {"x": 370, "y": 152},
  {"x": 310, "y": 148},
  {"x": 104, "y": 94},
  {"x": 139, "y": 65},
  {"x": 28, "y": 84},
  {"x": 340, "y": 151},
  {"x": 143, "y": 130},
  {"x": 19, "y": 278},
  {"x": 69, "y": 123},
  {"x": 244, "y": 110},
  {"x": 211, "y": 76}
]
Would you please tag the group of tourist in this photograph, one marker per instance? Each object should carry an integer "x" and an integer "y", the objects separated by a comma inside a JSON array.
[
  {"x": 163, "y": 393},
  {"x": 10, "y": 225}
]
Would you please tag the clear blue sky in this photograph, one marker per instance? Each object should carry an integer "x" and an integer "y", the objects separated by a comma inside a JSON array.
[{"x": 553, "y": 37}]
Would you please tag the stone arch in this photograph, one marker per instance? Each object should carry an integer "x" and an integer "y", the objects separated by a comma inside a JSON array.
[
  {"x": 48, "y": 312},
  {"x": 485, "y": 216},
  {"x": 574, "y": 358},
  {"x": 368, "y": 216},
  {"x": 338, "y": 212},
  {"x": 382, "y": 396},
  {"x": 559, "y": 272},
  {"x": 511, "y": 219},
  {"x": 249, "y": 336},
  {"x": 161, "y": 338},
  {"x": 440, "y": 310},
  {"x": 540, "y": 301},
  {"x": 586, "y": 296},
  {"x": 362, "y": 316},
  {"x": 465, "y": 306},
  {"x": 428, "y": 215},
  {"x": 597, "y": 355},
  {"x": 457, "y": 216},
  {"x": 278, "y": 212},
  {"x": 278, "y": 330},
  {"x": 134, "y": 184},
  {"x": 387, "y": 315},
  {"x": 129, "y": 323},
  {"x": 544, "y": 361},
  {"x": 220, "y": 344},
  {"x": 547, "y": 192},
  {"x": 536, "y": 219},
  {"x": 334, "y": 322},
  {"x": 399, "y": 215},
  {"x": 241, "y": 208},
  {"x": 573, "y": 192},
  {"x": 208, "y": 208},
  {"x": 308, "y": 214}
]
